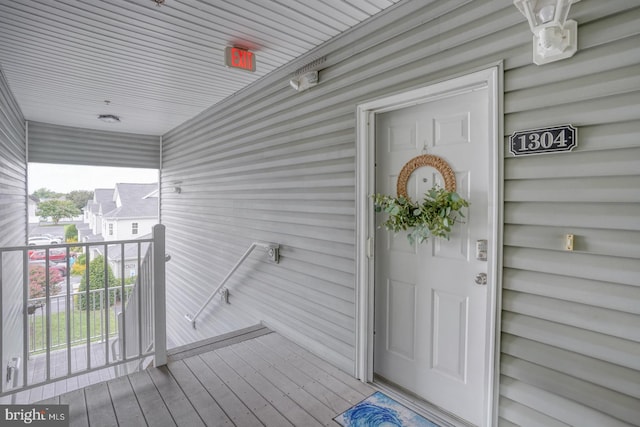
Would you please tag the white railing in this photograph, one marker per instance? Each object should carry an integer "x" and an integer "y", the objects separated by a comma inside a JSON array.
[
  {"x": 136, "y": 326},
  {"x": 273, "y": 250},
  {"x": 54, "y": 326}
]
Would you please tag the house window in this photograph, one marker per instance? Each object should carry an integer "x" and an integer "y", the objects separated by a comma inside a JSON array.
[
  {"x": 110, "y": 229},
  {"x": 134, "y": 228}
]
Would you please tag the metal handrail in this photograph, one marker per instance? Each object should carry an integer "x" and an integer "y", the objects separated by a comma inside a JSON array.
[{"x": 273, "y": 250}]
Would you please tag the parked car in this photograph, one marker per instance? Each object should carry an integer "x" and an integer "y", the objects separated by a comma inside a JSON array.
[
  {"x": 55, "y": 240},
  {"x": 40, "y": 240},
  {"x": 59, "y": 254}
]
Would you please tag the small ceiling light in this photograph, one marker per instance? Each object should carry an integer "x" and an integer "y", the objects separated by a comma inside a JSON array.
[
  {"x": 554, "y": 37},
  {"x": 158, "y": 2},
  {"x": 304, "y": 81},
  {"x": 109, "y": 118}
]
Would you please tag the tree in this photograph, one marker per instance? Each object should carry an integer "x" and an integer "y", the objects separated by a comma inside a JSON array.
[
  {"x": 38, "y": 281},
  {"x": 96, "y": 281},
  {"x": 45, "y": 193},
  {"x": 80, "y": 197},
  {"x": 57, "y": 209}
]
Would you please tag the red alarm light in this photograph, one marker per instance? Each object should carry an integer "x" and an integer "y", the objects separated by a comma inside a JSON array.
[{"x": 236, "y": 57}]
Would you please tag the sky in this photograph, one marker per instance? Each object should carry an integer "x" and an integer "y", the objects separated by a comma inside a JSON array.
[{"x": 67, "y": 178}]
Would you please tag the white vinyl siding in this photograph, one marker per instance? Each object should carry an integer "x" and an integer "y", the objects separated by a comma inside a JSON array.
[
  {"x": 13, "y": 223},
  {"x": 126, "y": 229},
  {"x": 276, "y": 165},
  {"x": 69, "y": 145}
]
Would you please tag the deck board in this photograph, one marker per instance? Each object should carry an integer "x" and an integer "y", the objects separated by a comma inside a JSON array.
[
  {"x": 148, "y": 398},
  {"x": 318, "y": 387},
  {"x": 127, "y": 410},
  {"x": 235, "y": 409},
  {"x": 260, "y": 407},
  {"x": 317, "y": 369},
  {"x": 273, "y": 394},
  {"x": 317, "y": 408},
  {"x": 77, "y": 408},
  {"x": 174, "y": 398},
  {"x": 99, "y": 406},
  {"x": 206, "y": 406},
  {"x": 260, "y": 380}
]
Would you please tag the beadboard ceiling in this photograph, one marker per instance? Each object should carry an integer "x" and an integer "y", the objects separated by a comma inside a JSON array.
[{"x": 67, "y": 61}]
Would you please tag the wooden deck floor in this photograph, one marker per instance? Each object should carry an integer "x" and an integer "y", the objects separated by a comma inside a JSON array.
[{"x": 262, "y": 381}]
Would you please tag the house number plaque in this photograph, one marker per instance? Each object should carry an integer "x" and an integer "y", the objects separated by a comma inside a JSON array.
[{"x": 542, "y": 141}]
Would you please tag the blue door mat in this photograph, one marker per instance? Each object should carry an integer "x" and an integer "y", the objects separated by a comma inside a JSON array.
[{"x": 381, "y": 410}]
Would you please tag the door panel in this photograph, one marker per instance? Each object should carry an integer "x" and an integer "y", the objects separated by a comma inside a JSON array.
[
  {"x": 401, "y": 309},
  {"x": 430, "y": 316}
]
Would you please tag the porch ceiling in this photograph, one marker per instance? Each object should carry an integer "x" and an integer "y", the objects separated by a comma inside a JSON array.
[{"x": 157, "y": 65}]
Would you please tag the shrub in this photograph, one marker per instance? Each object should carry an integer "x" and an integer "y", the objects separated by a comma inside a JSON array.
[
  {"x": 38, "y": 281},
  {"x": 71, "y": 233},
  {"x": 96, "y": 281},
  {"x": 79, "y": 266}
]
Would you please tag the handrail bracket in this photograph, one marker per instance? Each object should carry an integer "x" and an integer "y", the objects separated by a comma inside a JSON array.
[{"x": 273, "y": 250}]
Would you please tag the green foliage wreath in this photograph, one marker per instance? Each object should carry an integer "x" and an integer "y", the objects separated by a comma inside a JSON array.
[{"x": 434, "y": 216}]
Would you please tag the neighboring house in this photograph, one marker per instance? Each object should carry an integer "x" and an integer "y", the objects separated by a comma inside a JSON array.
[
  {"x": 128, "y": 211},
  {"x": 115, "y": 259},
  {"x": 125, "y": 212},
  {"x": 132, "y": 212},
  {"x": 33, "y": 206},
  {"x": 93, "y": 209}
]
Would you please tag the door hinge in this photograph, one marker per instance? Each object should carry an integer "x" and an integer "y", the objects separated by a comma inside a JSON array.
[{"x": 369, "y": 247}]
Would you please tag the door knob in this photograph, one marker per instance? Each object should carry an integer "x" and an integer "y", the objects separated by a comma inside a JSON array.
[{"x": 481, "y": 278}]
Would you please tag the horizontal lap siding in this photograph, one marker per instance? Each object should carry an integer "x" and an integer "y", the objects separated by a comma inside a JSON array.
[
  {"x": 57, "y": 144},
  {"x": 570, "y": 323},
  {"x": 13, "y": 221},
  {"x": 270, "y": 164}
]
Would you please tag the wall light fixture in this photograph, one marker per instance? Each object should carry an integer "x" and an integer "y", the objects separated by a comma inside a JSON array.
[
  {"x": 304, "y": 81},
  {"x": 554, "y": 37}
]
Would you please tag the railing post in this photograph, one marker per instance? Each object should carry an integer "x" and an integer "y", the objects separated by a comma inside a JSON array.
[{"x": 159, "y": 297}]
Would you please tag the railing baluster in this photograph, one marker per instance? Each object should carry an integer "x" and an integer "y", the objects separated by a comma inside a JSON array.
[
  {"x": 48, "y": 310},
  {"x": 122, "y": 330},
  {"x": 25, "y": 315},
  {"x": 159, "y": 304},
  {"x": 68, "y": 312},
  {"x": 86, "y": 304},
  {"x": 139, "y": 304},
  {"x": 107, "y": 297}
]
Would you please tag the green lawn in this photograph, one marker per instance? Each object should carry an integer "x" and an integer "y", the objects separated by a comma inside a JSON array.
[{"x": 78, "y": 328}]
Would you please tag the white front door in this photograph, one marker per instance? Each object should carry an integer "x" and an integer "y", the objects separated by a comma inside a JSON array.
[{"x": 431, "y": 318}]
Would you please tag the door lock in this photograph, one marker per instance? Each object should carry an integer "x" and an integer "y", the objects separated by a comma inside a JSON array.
[
  {"x": 481, "y": 250},
  {"x": 481, "y": 279}
]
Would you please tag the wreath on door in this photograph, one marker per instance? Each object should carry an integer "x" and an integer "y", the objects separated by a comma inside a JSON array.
[{"x": 435, "y": 215}]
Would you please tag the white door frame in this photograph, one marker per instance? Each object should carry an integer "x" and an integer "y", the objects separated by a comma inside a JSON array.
[{"x": 365, "y": 221}]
